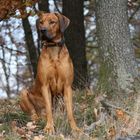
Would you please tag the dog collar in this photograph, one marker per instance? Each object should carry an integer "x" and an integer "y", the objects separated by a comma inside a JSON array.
[{"x": 53, "y": 44}]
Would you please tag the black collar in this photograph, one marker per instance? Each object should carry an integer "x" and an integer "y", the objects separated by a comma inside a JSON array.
[{"x": 46, "y": 43}]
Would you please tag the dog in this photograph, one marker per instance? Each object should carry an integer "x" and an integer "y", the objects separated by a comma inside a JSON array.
[{"x": 54, "y": 73}]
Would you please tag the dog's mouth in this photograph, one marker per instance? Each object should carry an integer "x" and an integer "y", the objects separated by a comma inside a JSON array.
[
  {"x": 46, "y": 35},
  {"x": 49, "y": 36}
]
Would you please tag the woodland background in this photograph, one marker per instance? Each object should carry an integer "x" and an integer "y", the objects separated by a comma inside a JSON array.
[
  {"x": 20, "y": 45},
  {"x": 103, "y": 40}
]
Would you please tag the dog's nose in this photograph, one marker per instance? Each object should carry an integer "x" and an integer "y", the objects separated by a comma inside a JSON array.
[{"x": 44, "y": 30}]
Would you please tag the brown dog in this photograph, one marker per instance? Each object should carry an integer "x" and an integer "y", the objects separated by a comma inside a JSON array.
[{"x": 54, "y": 73}]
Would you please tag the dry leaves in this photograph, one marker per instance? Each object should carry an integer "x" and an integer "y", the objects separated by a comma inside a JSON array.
[
  {"x": 120, "y": 114},
  {"x": 25, "y": 132},
  {"x": 8, "y": 7},
  {"x": 111, "y": 132},
  {"x": 40, "y": 137},
  {"x": 31, "y": 126}
]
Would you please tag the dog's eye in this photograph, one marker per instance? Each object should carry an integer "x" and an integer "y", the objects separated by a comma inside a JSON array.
[
  {"x": 52, "y": 22},
  {"x": 41, "y": 21}
]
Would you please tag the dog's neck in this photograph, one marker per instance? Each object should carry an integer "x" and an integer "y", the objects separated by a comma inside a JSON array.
[
  {"x": 54, "y": 47},
  {"x": 58, "y": 42}
]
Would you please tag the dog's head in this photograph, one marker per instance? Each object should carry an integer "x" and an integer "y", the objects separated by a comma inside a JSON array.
[{"x": 52, "y": 25}]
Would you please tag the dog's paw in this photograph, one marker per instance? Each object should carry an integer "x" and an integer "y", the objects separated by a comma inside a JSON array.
[
  {"x": 34, "y": 117},
  {"x": 49, "y": 129}
]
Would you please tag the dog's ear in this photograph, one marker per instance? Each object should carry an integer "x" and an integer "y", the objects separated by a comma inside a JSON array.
[
  {"x": 64, "y": 22},
  {"x": 40, "y": 13}
]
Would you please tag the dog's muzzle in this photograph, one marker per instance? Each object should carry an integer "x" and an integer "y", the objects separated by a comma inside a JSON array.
[
  {"x": 46, "y": 34},
  {"x": 44, "y": 31}
]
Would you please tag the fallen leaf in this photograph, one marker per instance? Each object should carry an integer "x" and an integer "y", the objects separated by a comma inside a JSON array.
[
  {"x": 2, "y": 137},
  {"x": 62, "y": 136},
  {"x": 124, "y": 132},
  {"x": 120, "y": 114},
  {"x": 111, "y": 132},
  {"x": 31, "y": 126},
  {"x": 21, "y": 131},
  {"x": 40, "y": 137},
  {"x": 96, "y": 113},
  {"x": 14, "y": 126}
]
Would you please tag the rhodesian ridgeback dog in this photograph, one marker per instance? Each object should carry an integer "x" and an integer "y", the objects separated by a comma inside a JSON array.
[{"x": 54, "y": 73}]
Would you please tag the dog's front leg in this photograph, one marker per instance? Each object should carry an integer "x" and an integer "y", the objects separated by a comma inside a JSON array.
[
  {"x": 49, "y": 128},
  {"x": 68, "y": 103}
]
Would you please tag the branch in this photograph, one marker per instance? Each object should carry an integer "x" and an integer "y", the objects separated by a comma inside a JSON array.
[
  {"x": 108, "y": 105},
  {"x": 57, "y": 7},
  {"x": 10, "y": 49},
  {"x": 89, "y": 129},
  {"x": 136, "y": 10},
  {"x": 3, "y": 61}
]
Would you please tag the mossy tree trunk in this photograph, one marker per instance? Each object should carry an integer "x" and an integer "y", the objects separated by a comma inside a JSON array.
[{"x": 118, "y": 68}]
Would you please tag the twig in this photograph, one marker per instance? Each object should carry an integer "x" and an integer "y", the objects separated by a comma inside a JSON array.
[
  {"x": 10, "y": 49},
  {"x": 136, "y": 10},
  {"x": 3, "y": 61},
  {"x": 107, "y": 105},
  {"x": 88, "y": 129},
  {"x": 57, "y": 7}
]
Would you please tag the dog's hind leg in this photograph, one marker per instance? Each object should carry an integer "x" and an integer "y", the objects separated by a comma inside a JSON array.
[{"x": 27, "y": 106}]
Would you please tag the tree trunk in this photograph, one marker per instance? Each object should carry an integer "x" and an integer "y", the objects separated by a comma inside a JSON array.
[
  {"x": 30, "y": 44},
  {"x": 75, "y": 40},
  {"x": 44, "y": 5},
  {"x": 136, "y": 39},
  {"x": 6, "y": 73},
  {"x": 118, "y": 67}
]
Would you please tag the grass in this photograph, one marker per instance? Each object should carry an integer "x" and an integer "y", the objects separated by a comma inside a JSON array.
[{"x": 85, "y": 106}]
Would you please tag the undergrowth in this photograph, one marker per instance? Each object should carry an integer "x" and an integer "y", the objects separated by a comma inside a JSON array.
[{"x": 122, "y": 120}]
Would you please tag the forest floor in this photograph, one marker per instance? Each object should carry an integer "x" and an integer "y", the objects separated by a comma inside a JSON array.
[{"x": 100, "y": 117}]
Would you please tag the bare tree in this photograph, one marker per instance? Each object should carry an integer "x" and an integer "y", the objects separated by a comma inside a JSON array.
[
  {"x": 30, "y": 44},
  {"x": 75, "y": 40},
  {"x": 6, "y": 72}
]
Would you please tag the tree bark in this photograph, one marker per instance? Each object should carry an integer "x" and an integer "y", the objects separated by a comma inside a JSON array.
[
  {"x": 75, "y": 40},
  {"x": 118, "y": 68},
  {"x": 44, "y": 5},
  {"x": 6, "y": 73},
  {"x": 136, "y": 39},
  {"x": 30, "y": 45}
]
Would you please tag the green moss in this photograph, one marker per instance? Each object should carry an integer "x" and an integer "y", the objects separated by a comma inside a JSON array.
[
  {"x": 12, "y": 136},
  {"x": 81, "y": 100},
  {"x": 49, "y": 137},
  {"x": 5, "y": 128},
  {"x": 103, "y": 83},
  {"x": 41, "y": 124},
  {"x": 21, "y": 117},
  {"x": 106, "y": 81}
]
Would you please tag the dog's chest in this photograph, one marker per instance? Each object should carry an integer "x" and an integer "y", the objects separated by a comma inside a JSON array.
[
  {"x": 53, "y": 74},
  {"x": 56, "y": 78}
]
